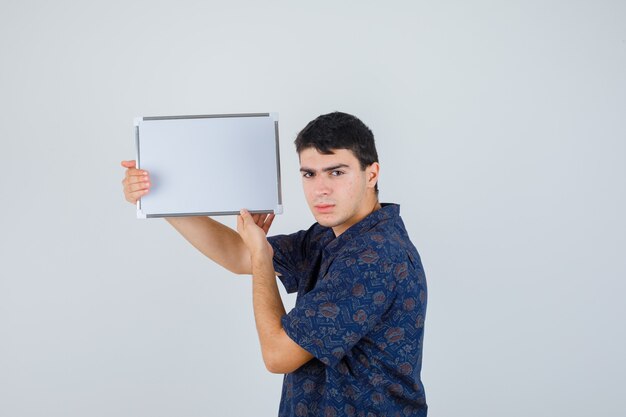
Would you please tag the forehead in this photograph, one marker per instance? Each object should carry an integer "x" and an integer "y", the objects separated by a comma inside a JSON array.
[{"x": 312, "y": 158}]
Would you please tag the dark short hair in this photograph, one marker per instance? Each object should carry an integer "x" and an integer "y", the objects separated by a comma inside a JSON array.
[{"x": 339, "y": 131}]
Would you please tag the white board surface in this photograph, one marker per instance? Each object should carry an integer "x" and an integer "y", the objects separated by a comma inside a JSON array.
[{"x": 209, "y": 165}]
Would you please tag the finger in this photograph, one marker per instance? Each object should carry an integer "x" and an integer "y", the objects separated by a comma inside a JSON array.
[
  {"x": 135, "y": 175},
  {"x": 138, "y": 186},
  {"x": 135, "y": 172},
  {"x": 131, "y": 172},
  {"x": 135, "y": 183},
  {"x": 137, "y": 179},
  {"x": 259, "y": 219},
  {"x": 131, "y": 168},
  {"x": 239, "y": 223},
  {"x": 268, "y": 222},
  {"x": 134, "y": 196},
  {"x": 246, "y": 217}
]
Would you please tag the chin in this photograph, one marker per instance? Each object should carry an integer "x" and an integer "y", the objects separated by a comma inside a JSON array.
[
  {"x": 328, "y": 222},
  {"x": 324, "y": 222}
]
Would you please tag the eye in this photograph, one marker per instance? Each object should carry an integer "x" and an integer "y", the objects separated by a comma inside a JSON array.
[
  {"x": 307, "y": 174},
  {"x": 336, "y": 173}
]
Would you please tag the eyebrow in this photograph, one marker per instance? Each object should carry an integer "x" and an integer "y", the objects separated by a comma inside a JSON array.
[{"x": 332, "y": 168}]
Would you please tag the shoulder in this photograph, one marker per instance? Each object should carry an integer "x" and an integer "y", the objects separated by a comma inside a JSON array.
[
  {"x": 387, "y": 241},
  {"x": 383, "y": 253}
]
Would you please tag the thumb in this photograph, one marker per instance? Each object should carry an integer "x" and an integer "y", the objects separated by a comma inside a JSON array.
[
  {"x": 129, "y": 164},
  {"x": 245, "y": 216},
  {"x": 240, "y": 224}
]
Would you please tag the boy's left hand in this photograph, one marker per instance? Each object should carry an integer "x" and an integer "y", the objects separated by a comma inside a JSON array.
[{"x": 253, "y": 229}]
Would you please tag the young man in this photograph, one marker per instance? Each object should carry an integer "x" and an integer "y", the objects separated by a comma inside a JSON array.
[{"x": 353, "y": 343}]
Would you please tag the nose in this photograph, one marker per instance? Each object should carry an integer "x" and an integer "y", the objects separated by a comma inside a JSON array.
[{"x": 322, "y": 186}]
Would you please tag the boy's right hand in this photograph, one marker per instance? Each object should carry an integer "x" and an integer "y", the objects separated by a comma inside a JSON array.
[{"x": 136, "y": 182}]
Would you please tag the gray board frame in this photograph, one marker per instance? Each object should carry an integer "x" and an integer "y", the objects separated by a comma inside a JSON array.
[{"x": 274, "y": 115}]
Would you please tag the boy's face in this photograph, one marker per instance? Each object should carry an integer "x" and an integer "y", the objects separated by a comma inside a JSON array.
[{"x": 338, "y": 192}]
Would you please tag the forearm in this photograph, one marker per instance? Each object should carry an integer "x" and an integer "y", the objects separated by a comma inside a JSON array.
[
  {"x": 220, "y": 243},
  {"x": 268, "y": 308},
  {"x": 280, "y": 354}
]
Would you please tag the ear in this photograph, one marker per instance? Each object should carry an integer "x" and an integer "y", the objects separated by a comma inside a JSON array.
[{"x": 372, "y": 172}]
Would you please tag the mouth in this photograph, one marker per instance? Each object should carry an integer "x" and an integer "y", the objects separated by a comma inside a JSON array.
[{"x": 324, "y": 208}]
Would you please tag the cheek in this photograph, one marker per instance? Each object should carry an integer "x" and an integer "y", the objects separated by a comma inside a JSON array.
[
  {"x": 351, "y": 187},
  {"x": 308, "y": 192}
]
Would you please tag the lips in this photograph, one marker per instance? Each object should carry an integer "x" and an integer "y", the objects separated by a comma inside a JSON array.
[{"x": 324, "y": 208}]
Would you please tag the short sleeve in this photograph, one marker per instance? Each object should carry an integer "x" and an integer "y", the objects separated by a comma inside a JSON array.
[
  {"x": 289, "y": 257},
  {"x": 348, "y": 302}
]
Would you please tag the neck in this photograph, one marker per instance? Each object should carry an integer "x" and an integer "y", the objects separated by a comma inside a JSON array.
[{"x": 369, "y": 208}]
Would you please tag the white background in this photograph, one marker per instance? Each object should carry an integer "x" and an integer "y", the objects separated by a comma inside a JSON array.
[{"x": 501, "y": 131}]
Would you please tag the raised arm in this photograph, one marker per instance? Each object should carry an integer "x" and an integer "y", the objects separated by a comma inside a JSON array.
[
  {"x": 218, "y": 242},
  {"x": 280, "y": 354}
]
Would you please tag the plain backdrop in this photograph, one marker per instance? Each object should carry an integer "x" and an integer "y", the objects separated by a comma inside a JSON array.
[{"x": 501, "y": 130}]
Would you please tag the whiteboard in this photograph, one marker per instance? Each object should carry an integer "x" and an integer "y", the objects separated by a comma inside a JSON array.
[{"x": 209, "y": 165}]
